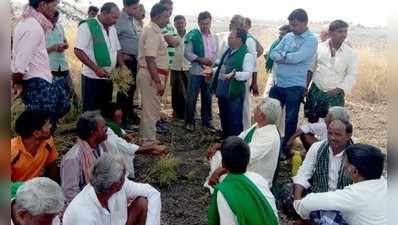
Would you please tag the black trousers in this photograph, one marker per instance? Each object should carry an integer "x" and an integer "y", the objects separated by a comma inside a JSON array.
[
  {"x": 126, "y": 102},
  {"x": 96, "y": 93},
  {"x": 179, "y": 82}
]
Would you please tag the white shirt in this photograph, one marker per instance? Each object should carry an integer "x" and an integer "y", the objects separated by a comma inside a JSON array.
[
  {"x": 223, "y": 45},
  {"x": 318, "y": 129},
  {"x": 264, "y": 151},
  {"x": 362, "y": 203},
  {"x": 84, "y": 42},
  {"x": 85, "y": 209},
  {"x": 307, "y": 169},
  {"x": 118, "y": 144},
  {"x": 247, "y": 69},
  {"x": 227, "y": 217},
  {"x": 335, "y": 72},
  {"x": 180, "y": 63},
  {"x": 251, "y": 47}
]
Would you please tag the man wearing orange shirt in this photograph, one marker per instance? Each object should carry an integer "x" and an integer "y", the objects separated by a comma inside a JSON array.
[{"x": 33, "y": 152}]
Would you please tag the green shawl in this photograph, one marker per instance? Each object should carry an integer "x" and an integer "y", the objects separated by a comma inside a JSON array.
[
  {"x": 245, "y": 200},
  {"x": 14, "y": 188},
  {"x": 115, "y": 128},
  {"x": 268, "y": 61},
  {"x": 101, "y": 52},
  {"x": 195, "y": 37},
  {"x": 249, "y": 135}
]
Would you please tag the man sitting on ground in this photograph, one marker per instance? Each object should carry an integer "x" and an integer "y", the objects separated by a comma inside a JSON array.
[
  {"x": 114, "y": 114},
  {"x": 264, "y": 142},
  {"x": 105, "y": 199},
  {"x": 241, "y": 197},
  {"x": 314, "y": 132},
  {"x": 325, "y": 161},
  {"x": 94, "y": 138},
  {"x": 37, "y": 202},
  {"x": 33, "y": 152},
  {"x": 362, "y": 203}
]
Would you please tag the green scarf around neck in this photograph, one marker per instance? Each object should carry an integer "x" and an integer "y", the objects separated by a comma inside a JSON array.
[
  {"x": 245, "y": 200},
  {"x": 249, "y": 136},
  {"x": 114, "y": 127},
  {"x": 195, "y": 37},
  {"x": 101, "y": 51},
  {"x": 268, "y": 61}
]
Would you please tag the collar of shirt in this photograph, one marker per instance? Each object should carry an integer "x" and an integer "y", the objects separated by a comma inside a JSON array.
[
  {"x": 266, "y": 128},
  {"x": 93, "y": 197},
  {"x": 339, "y": 155},
  {"x": 342, "y": 48},
  {"x": 102, "y": 25},
  {"x": 125, "y": 15},
  {"x": 155, "y": 27},
  {"x": 304, "y": 34}
]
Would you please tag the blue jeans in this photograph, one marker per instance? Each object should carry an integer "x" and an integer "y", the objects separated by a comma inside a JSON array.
[
  {"x": 231, "y": 112},
  {"x": 198, "y": 83},
  {"x": 290, "y": 97}
]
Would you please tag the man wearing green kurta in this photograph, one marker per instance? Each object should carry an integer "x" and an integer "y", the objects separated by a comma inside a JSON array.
[{"x": 241, "y": 197}]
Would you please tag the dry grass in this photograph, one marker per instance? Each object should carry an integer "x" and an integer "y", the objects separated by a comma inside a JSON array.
[
  {"x": 165, "y": 170},
  {"x": 372, "y": 76}
]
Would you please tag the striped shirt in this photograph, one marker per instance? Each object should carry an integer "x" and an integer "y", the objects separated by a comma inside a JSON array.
[{"x": 169, "y": 30}]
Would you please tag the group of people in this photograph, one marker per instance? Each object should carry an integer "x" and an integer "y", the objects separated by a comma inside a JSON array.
[{"x": 93, "y": 184}]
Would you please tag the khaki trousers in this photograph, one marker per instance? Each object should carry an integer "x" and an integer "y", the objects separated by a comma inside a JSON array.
[{"x": 150, "y": 106}]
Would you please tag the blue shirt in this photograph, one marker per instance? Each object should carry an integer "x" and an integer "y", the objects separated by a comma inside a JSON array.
[{"x": 294, "y": 56}]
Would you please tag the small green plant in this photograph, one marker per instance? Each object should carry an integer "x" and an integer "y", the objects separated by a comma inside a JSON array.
[{"x": 165, "y": 170}]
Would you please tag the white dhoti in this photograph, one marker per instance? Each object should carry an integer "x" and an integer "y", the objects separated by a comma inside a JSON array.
[{"x": 246, "y": 118}]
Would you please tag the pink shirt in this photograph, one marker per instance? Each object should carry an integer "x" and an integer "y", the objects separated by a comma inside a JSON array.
[
  {"x": 29, "y": 54},
  {"x": 210, "y": 43}
]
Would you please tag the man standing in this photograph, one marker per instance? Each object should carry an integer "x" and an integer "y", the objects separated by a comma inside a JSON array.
[
  {"x": 270, "y": 66},
  {"x": 152, "y": 73},
  {"x": 97, "y": 47},
  {"x": 179, "y": 71},
  {"x": 128, "y": 38},
  {"x": 235, "y": 68},
  {"x": 201, "y": 49},
  {"x": 241, "y": 197},
  {"x": 294, "y": 55},
  {"x": 334, "y": 72},
  {"x": 92, "y": 11},
  {"x": 32, "y": 78},
  {"x": 56, "y": 46}
]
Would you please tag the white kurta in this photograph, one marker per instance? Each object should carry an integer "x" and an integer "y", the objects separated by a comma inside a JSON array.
[
  {"x": 307, "y": 169},
  {"x": 246, "y": 119},
  {"x": 363, "y": 203},
  {"x": 227, "y": 217},
  {"x": 264, "y": 153},
  {"x": 85, "y": 209},
  {"x": 117, "y": 144}
]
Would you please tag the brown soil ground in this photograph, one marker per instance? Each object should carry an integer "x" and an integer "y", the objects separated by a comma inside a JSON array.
[{"x": 185, "y": 201}]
